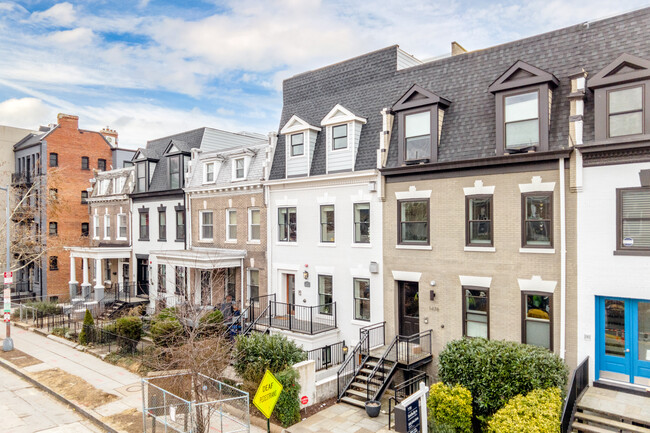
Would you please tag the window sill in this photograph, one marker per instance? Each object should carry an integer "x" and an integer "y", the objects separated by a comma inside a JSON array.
[
  {"x": 230, "y": 241},
  {"x": 120, "y": 239},
  {"x": 537, "y": 250},
  {"x": 179, "y": 240},
  {"x": 282, "y": 243},
  {"x": 95, "y": 238},
  {"x": 107, "y": 239},
  {"x": 254, "y": 242},
  {"x": 162, "y": 239},
  {"x": 207, "y": 240},
  {"x": 361, "y": 245},
  {"x": 327, "y": 244},
  {"x": 632, "y": 252},
  {"x": 143, "y": 239},
  {"x": 414, "y": 247},
  {"x": 359, "y": 322},
  {"x": 480, "y": 249}
]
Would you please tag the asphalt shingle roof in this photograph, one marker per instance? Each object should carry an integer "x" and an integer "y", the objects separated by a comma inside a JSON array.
[{"x": 367, "y": 84}]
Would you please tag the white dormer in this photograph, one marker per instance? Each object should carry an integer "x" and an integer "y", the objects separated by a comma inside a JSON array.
[
  {"x": 299, "y": 139},
  {"x": 342, "y": 132},
  {"x": 240, "y": 163}
]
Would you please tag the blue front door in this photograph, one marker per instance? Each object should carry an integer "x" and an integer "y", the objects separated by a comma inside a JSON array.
[{"x": 623, "y": 337}]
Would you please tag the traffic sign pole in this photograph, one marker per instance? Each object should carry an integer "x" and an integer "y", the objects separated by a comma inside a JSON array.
[{"x": 8, "y": 343}]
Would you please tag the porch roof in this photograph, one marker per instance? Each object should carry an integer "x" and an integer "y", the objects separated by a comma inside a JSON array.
[
  {"x": 99, "y": 252},
  {"x": 213, "y": 258}
]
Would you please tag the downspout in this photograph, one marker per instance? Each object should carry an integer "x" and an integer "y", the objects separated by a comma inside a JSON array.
[
  {"x": 273, "y": 141},
  {"x": 562, "y": 261}
]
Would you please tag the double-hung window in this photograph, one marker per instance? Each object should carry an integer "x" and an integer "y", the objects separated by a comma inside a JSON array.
[
  {"x": 327, "y": 223},
  {"x": 107, "y": 226},
  {"x": 96, "y": 226},
  {"x": 54, "y": 159},
  {"x": 417, "y": 136},
  {"x": 180, "y": 224},
  {"x": 85, "y": 163},
  {"x": 121, "y": 226},
  {"x": 633, "y": 225},
  {"x": 339, "y": 137},
  {"x": 287, "y": 224},
  {"x": 537, "y": 322},
  {"x": 325, "y": 294},
  {"x": 537, "y": 224},
  {"x": 162, "y": 279},
  {"x": 208, "y": 172},
  {"x": 625, "y": 111},
  {"x": 362, "y": 299},
  {"x": 84, "y": 229},
  {"x": 297, "y": 144},
  {"x": 54, "y": 229},
  {"x": 141, "y": 170},
  {"x": 162, "y": 223},
  {"x": 181, "y": 280},
  {"x": 231, "y": 225},
  {"x": 476, "y": 312},
  {"x": 254, "y": 224},
  {"x": 239, "y": 168},
  {"x": 175, "y": 172},
  {"x": 231, "y": 283},
  {"x": 253, "y": 283},
  {"x": 144, "y": 224},
  {"x": 101, "y": 164},
  {"x": 479, "y": 220},
  {"x": 84, "y": 197},
  {"x": 413, "y": 222},
  {"x": 206, "y": 225},
  {"x": 361, "y": 223},
  {"x": 522, "y": 120}
]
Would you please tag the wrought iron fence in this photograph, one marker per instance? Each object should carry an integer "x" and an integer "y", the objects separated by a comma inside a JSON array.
[
  {"x": 578, "y": 383},
  {"x": 327, "y": 356}
]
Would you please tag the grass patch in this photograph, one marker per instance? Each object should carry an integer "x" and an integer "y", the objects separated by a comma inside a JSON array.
[{"x": 74, "y": 388}]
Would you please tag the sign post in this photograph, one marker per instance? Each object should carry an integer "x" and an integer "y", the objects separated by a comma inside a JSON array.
[
  {"x": 8, "y": 343},
  {"x": 266, "y": 396},
  {"x": 411, "y": 413}
]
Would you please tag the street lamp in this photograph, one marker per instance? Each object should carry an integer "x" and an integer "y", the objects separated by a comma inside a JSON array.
[{"x": 8, "y": 343}]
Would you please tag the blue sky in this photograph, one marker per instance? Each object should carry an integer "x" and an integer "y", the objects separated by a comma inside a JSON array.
[{"x": 150, "y": 68}]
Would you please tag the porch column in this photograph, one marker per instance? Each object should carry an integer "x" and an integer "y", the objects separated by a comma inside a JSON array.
[
  {"x": 99, "y": 280},
  {"x": 85, "y": 284},
  {"x": 73, "y": 277}
]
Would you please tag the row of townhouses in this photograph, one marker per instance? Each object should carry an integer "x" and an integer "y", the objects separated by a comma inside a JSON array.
[{"x": 501, "y": 193}]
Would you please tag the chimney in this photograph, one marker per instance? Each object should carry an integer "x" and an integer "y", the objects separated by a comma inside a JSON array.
[
  {"x": 110, "y": 135},
  {"x": 457, "y": 49},
  {"x": 68, "y": 121}
]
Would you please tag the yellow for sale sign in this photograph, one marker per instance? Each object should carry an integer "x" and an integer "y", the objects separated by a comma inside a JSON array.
[{"x": 267, "y": 394}]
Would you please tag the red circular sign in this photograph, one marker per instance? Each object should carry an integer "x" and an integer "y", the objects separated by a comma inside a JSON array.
[{"x": 304, "y": 399}]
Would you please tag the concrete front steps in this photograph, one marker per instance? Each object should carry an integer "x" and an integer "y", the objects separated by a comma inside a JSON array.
[{"x": 588, "y": 420}]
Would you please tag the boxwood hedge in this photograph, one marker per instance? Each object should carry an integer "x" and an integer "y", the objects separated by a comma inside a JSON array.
[{"x": 537, "y": 412}]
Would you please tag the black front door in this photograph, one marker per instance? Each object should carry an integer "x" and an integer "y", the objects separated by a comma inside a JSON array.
[
  {"x": 143, "y": 277},
  {"x": 409, "y": 308}
]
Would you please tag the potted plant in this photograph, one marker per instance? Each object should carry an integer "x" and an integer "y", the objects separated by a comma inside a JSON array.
[{"x": 372, "y": 408}]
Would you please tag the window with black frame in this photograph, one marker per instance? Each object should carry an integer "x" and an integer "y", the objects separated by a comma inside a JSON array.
[
  {"x": 339, "y": 137},
  {"x": 413, "y": 222},
  {"x": 537, "y": 222},
  {"x": 625, "y": 111},
  {"x": 175, "y": 172},
  {"x": 297, "y": 144},
  {"x": 537, "y": 324},
  {"x": 287, "y": 224},
  {"x": 162, "y": 224},
  {"x": 180, "y": 225},
  {"x": 633, "y": 225},
  {"x": 362, "y": 299},
  {"x": 476, "y": 312},
  {"x": 417, "y": 136},
  {"x": 362, "y": 223},
  {"x": 327, "y": 223},
  {"x": 101, "y": 164},
  {"x": 85, "y": 163},
  {"x": 522, "y": 120},
  {"x": 479, "y": 221},
  {"x": 144, "y": 226},
  {"x": 325, "y": 294},
  {"x": 54, "y": 159}
]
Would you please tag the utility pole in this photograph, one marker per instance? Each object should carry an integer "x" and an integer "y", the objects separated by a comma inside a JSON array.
[{"x": 8, "y": 343}]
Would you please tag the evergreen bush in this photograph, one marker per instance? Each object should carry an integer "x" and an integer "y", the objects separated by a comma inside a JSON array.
[
  {"x": 256, "y": 353},
  {"x": 287, "y": 409},
  {"x": 129, "y": 330},
  {"x": 449, "y": 409},
  {"x": 166, "y": 332},
  {"x": 88, "y": 329},
  {"x": 537, "y": 412}
]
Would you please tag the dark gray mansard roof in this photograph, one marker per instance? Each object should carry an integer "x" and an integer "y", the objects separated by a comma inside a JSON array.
[{"x": 367, "y": 84}]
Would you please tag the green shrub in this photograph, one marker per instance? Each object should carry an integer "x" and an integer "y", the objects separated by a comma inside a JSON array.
[
  {"x": 88, "y": 329},
  {"x": 256, "y": 353},
  {"x": 166, "y": 332},
  {"x": 495, "y": 371},
  {"x": 537, "y": 412},
  {"x": 129, "y": 329},
  {"x": 287, "y": 409},
  {"x": 165, "y": 314},
  {"x": 449, "y": 408},
  {"x": 214, "y": 317},
  {"x": 60, "y": 332},
  {"x": 45, "y": 308}
]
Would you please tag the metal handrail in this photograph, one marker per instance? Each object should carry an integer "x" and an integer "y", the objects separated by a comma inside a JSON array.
[
  {"x": 381, "y": 364},
  {"x": 357, "y": 358},
  {"x": 577, "y": 385}
]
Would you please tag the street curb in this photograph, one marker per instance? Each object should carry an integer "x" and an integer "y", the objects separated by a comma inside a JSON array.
[{"x": 59, "y": 397}]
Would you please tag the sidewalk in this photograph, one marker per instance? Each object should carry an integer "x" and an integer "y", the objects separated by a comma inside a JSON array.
[{"x": 53, "y": 360}]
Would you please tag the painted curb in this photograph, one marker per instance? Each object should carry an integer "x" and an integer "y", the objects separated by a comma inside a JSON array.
[{"x": 59, "y": 397}]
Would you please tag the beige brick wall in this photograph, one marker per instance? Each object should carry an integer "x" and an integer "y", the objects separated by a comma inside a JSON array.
[{"x": 447, "y": 258}]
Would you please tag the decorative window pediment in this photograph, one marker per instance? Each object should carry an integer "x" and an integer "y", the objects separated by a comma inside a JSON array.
[
  {"x": 626, "y": 68},
  {"x": 296, "y": 124},
  {"x": 142, "y": 155},
  {"x": 300, "y": 139},
  {"x": 420, "y": 113},
  {"x": 340, "y": 114},
  {"x": 523, "y": 97},
  {"x": 342, "y": 129}
]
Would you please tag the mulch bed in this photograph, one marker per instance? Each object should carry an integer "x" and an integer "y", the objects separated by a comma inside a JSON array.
[{"x": 19, "y": 359}]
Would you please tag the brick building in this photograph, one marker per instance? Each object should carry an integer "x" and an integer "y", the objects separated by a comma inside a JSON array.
[{"x": 62, "y": 158}]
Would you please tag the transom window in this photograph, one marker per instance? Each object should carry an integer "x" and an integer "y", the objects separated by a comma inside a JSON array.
[
  {"x": 633, "y": 209},
  {"x": 206, "y": 225},
  {"x": 239, "y": 168},
  {"x": 537, "y": 329},
  {"x": 325, "y": 294},
  {"x": 362, "y": 223},
  {"x": 537, "y": 222},
  {"x": 479, "y": 220},
  {"x": 625, "y": 111},
  {"x": 327, "y": 223},
  {"x": 362, "y": 299},
  {"x": 339, "y": 137},
  {"x": 417, "y": 136},
  {"x": 287, "y": 224},
  {"x": 413, "y": 221},
  {"x": 231, "y": 222},
  {"x": 476, "y": 312},
  {"x": 297, "y": 144},
  {"x": 522, "y": 120}
]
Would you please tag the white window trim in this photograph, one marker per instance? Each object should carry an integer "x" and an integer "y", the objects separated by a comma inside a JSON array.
[
  {"x": 536, "y": 284},
  {"x": 228, "y": 238},
  {"x": 201, "y": 238},
  {"x": 95, "y": 226},
  {"x": 469, "y": 280},
  {"x": 117, "y": 234},
  {"x": 107, "y": 227},
  {"x": 205, "y": 172},
  {"x": 247, "y": 160},
  {"x": 250, "y": 226},
  {"x": 361, "y": 244}
]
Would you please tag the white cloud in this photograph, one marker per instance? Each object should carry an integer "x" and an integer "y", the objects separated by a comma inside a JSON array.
[
  {"x": 72, "y": 39},
  {"x": 61, "y": 14},
  {"x": 26, "y": 113}
]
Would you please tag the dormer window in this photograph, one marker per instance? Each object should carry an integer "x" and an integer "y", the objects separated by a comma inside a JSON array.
[
  {"x": 239, "y": 168},
  {"x": 297, "y": 144},
  {"x": 175, "y": 172},
  {"x": 523, "y": 97},
  {"x": 208, "y": 172},
  {"x": 420, "y": 113},
  {"x": 339, "y": 137},
  {"x": 141, "y": 172},
  {"x": 621, "y": 93},
  {"x": 522, "y": 120}
]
